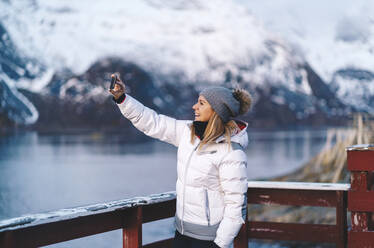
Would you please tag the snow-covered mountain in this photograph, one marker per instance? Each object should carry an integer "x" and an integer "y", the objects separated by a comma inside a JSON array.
[
  {"x": 336, "y": 38},
  {"x": 181, "y": 46},
  {"x": 355, "y": 86},
  {"x": 14, "y": 107},
  {"x": 198, "y": 39}
]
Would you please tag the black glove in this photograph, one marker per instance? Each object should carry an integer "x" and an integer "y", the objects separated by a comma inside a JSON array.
[{"x": 120, "y": 99}]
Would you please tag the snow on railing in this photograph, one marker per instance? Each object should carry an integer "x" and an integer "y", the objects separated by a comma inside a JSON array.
[{"x": 69, "y": 213}]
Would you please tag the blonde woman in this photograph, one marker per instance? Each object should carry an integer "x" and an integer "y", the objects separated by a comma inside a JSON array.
[{"x": 212, "y": 175}]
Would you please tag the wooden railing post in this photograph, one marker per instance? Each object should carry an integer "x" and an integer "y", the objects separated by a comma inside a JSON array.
[
  {"x": 341, "y": 219},
  {"x": 360, "y": 160},
  {"x": 132, "y": 228}
]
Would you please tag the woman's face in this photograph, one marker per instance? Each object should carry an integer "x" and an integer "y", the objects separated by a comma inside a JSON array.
[{"x": 203, "y": 110}]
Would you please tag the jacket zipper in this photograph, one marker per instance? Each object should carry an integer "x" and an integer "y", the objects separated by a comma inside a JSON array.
[
  {"x": 184, "y": 186},
  {"x": 207, "y": 211}
]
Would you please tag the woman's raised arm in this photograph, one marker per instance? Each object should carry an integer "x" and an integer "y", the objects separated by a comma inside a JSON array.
[{"x": 147, "y": 120}]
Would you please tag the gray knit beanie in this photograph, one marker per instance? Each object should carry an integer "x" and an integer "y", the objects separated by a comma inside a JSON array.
[{"x": 222, "y": 101}]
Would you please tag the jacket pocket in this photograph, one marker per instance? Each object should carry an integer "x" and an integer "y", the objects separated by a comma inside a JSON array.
[{"x": 207, "y": 211}]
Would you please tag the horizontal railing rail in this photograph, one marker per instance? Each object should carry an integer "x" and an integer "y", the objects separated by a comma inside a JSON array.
[
  {"x": 67, "y": 224},
  {"x": 129, "y": 215},
  {"x": 300, "y": 194}
]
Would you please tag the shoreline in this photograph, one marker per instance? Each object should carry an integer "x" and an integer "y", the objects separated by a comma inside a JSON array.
[{"x": 114, "y": 129}]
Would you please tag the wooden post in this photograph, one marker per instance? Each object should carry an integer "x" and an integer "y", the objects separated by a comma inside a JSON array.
[
  {"x": 341, "y": 219},
  {"x": 7, "y": 240},
  {"x": 132, "y": 228},
  {"x": 360, "y": 160},
  {"x": 371, "y": 215},
  {"x": 359, "y": 183}
]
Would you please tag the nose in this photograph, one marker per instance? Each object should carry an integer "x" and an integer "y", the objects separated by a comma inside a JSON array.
[{"x": 194, "y": 107}]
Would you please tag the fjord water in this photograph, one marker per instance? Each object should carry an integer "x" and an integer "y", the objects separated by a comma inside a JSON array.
[{"x": 40, "y": 173}]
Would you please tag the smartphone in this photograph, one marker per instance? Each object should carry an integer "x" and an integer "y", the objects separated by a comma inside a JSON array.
[{"x": 114, "y": 80}]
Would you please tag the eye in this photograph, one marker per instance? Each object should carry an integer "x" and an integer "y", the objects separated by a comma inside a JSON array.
[{"x": 201, "y": 102}]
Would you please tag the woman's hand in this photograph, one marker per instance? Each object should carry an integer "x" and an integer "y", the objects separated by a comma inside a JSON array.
[{"x": 119, "y": 88}]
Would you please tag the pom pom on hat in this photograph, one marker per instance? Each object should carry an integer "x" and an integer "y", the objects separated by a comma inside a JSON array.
[{"x": 244, "y": 98}]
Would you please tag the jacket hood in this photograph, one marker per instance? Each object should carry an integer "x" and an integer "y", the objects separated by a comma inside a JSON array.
[{"x": 240, "y": 137}]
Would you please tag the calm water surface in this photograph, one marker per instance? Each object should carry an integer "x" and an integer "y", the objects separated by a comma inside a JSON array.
[{"x": 40, "y": 173}]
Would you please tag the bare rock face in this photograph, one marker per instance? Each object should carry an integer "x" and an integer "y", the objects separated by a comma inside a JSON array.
[{"x": 84, "y": 102}]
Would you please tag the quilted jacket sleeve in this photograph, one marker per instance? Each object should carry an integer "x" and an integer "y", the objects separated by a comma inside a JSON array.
[
  {"x": 152, "y": 124},
  {"x": 233, "y": 177}
]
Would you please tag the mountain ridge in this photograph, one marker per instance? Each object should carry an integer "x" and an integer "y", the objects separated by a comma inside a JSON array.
[{"x": 227, "y": 46}]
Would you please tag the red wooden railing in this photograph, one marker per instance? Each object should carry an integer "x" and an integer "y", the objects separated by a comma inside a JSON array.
[
  {"x": 130, "y": 214},
  {"x": 300, "y": 194},
  {"x": 54, "y": 227}
]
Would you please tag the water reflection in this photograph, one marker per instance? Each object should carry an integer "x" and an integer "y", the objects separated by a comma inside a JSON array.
[{"x": 274, "y": 153}]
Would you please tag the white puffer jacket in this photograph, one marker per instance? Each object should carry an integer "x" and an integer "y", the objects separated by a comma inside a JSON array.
[{"x": 212, "y": 183}]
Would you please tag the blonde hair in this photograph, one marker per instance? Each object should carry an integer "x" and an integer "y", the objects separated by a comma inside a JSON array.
[{"x": 214, "y": 129}]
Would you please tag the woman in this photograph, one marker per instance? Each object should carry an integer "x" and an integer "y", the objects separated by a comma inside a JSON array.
[{"x": 212, "y": 176}]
